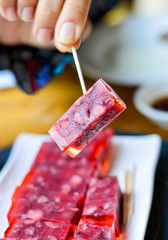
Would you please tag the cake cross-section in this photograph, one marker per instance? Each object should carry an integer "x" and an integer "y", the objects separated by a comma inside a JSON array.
[{"x": 86, "y": 118}]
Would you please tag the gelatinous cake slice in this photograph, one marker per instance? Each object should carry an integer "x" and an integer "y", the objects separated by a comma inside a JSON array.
[
  {"x": 90, "y": 230},
  {"x": 100, "y": 210},
  {"x": 13, "y": 239},
  {"x": 67, "y": 182},
  {"x": 61, "y": 167},
  {"x": 53, "y": 211},
  {"x": 86, "y": 118},
  {"x": 57, "y": 198},
  {"x": 103, "y": 202},
  {"x": 50, "y": 158},
  {"x": 40, "y": 230},
  {"x": 109, "y": 186}
]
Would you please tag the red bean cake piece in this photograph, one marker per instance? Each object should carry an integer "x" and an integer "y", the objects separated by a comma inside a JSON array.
[
  {"x": 103, "y": 138},
  {"x": 90, "y": 159},
  {"x": 15, "y": 239},
  {"x": 51, "y": 197},
  {"x": 86, "y": 118},
  {"x": 49, "y": 149},
  {"x": 103, "y": 202},
  {"x": 45, "y": 211},
  {"x": 61, "y": 166},
  {"x": 50, "y": 152},
  {"x": 42, "y": 195},
  {"x": 38, "y": 230},
  {"x": 65, "y": 184},
  {"x": 102, "y": 151},
  {"x": 38, "y": 194},
  {"x": 109, "y": 186},
  {"x": 90, "y": 230}
]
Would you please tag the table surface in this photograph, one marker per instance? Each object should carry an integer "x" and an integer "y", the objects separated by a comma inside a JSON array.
[{"x": 36, "y": 113}]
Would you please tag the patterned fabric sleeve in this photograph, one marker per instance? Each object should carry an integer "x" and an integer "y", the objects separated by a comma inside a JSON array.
[{"x": 33, "y": 67}]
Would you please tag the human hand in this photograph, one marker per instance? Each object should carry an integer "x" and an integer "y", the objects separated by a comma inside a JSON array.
[{"x": 58, "y": 23}]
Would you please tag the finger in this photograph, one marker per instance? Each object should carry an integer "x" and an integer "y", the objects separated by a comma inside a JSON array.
[
  {"x": 71, "y": 22},
  {"x": 28, "y": 38},
  {"x": 45, "y": 19},
  {"x": 21, "y": 33},
  {"x": 86, "y": 32},
  {"x": 8, "y": 9},
  {"x": 26, "y": 9},
  {"x": 63, "y": 48}
]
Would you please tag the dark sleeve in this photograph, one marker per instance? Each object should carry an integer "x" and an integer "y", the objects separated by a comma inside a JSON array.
[
  {"x": 33, "y": 67},
  {"x": 100, "y": 7},
  {"x": 4, "y": 57}
]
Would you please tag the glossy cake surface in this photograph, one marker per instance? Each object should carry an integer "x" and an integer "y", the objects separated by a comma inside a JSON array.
[{"x": 86, "y": 118}]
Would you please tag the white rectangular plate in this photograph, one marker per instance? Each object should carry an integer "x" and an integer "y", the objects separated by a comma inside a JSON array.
[{"x": 139, "y": 152}]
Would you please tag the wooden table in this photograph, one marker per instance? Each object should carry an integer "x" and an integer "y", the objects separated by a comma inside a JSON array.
[{"x": 36, "y": 113}]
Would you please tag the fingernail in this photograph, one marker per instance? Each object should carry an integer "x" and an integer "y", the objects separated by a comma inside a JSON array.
[
  {"x": 11, "y": 14},
  {"x": 67, "y": 33},
  {"x": 45, "y": 35},
  {"x": 28, "y": 14}
]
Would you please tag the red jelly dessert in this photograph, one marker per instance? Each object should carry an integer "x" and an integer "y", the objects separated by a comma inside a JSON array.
[
  {"x": 52, "y": 196},
  {"x": 109, "y": 186},
  {"x": 54, "y": 199},
  {"x": 102, "y": 211},
  {"x": 91, "y": 231},
  {"x": 67, "y": 183},
  {"x": 103, "y": 202},
  {"x": 45, "y": 211},
  {"x": 60, "y": 166},
  {"x": 103, "y": 138},
  {"x": 40, "y": 230},
  {"x": 102, "y": 151},
  {"x": 50, "y": 159},
  {"x": 86, "y": 118}
]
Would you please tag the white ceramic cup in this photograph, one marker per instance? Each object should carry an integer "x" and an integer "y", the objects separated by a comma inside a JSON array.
[{"x": 145, "y": 97}]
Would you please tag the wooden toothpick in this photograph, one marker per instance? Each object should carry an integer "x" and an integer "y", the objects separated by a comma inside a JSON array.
[
  {"x": 78, "y": 68},
  {"x": 128, "y": 201}
]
